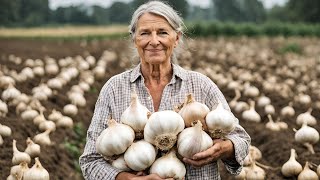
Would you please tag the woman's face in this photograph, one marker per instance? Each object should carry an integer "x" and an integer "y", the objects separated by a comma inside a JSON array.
[{"x": 155, "y": 39}]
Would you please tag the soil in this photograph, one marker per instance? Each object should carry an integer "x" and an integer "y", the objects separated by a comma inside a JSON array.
[{"x": 60, "y": 163}]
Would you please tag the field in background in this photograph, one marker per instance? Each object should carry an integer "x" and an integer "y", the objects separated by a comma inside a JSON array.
[{"x": 65, "y": 32}]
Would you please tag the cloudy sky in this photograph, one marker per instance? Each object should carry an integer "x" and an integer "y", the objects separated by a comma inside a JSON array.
[{"x": 105, "y": 3}]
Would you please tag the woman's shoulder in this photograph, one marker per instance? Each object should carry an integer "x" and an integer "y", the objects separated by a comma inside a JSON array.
[{"x": 117, "y": 80}]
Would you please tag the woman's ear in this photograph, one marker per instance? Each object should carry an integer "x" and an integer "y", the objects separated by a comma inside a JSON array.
[{"x": 177, "y": 38}]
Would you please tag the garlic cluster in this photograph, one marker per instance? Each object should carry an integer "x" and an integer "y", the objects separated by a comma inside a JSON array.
[
  {"x": 115, "y": 139},
  {"x": 307, "y": 173},
  {"x": 251, "y": 114},
  {"x": 292, "y": 167},
  {"x": 169, "y": 166},
  {"x": 307, "y": 136},
  {"x": 192, "y": 111},
  {"x": 193, "y": 140},
  {"x": 307, "y": 118},
  {"x": 162, "y": 129},
  {"x": 36, "y": 172},
  {"x": 136, "y": 116},
  {"x": 220, "y": 122}
]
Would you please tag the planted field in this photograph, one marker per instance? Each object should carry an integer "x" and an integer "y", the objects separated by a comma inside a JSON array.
[{"x": 266, "y": 73}]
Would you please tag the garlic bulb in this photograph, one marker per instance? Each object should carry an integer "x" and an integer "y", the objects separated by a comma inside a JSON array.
[
  {"x": 193, "y": 140},
  {"x": 292, "y": 167},
  {"x": 241, "y": 106},
  {"x": 307, "y": 136},
  {"x": 140, "y": 155},
  {"x": 115, "y": 139},
  {"x": 18, "y": 171},
  {"x": 220, "y": 122},
  {"x": 39, "y": 119},
  {"x": 255, "y": 172},
  {"x": 306, "y": 117},
  {"x": 250, "y": 91},
  {"x": 263, "y": 101},
  {"x": 45, "y": 125},
  {"x": 43, "y": 138},
  {"x": 121, "y": 164},
  {"x": 29, "y": 114},
  {"x": 272, "y": 125},
  {"x": 1, "y": 140},
  {"x": 10, "y": 93},
  {"x": 255, "y": 152},
  {"x": 169, "y": 166},
  {"x": 269, "y": 109},
  {"x": 192, "y": 111},
  {"x": 70, "y": 109},
  {"x": 242, "y": 175},
  {"x": 65, "y": 122},
  {"x": 318, "y": 170},
  {"x": 251, "y": 114},
  {"x": 32, "y": 149},
  {"x": 36, "y": 172},
  {"x": 162, "y": 129},
  {"x": 55, "y": 115},
  {"x": 5, "y": 130},
  {"x": 136, "y": 116},
  {"x": 307, "y": 173},
  {"x": 18, "y": 156},
  {"x": 234, "y": 102}
]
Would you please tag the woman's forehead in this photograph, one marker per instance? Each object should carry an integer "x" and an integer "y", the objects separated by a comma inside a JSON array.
[{"x": 148, "y": 20}]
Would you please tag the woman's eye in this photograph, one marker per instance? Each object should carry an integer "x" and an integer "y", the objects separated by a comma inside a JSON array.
[
  {"x": 143, "y": 33},
  {"x": 163, "y": 32}
]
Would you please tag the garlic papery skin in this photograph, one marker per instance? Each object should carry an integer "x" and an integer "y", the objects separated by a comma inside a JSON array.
[
  {"x": 241, "y": 106},
  {"x": 136, "y": 116},
  {"x": 307, "y": 136},
  {"x": 255, "y": 153},
  {"x": 43, "y": 138},
  {"x": 45, "y": 125},
  {"x": 292, "y": 167},
  {"x": 18, "y": 156},
  {"x": 70, "y": 109},
  {"x": 255, "y": 172},
  {"x": 220, "y": 122},
  {"x": 307, "y": 173},
  {"x": 169, "y": 166},
  {"x": 251, "y": 114},
  {"x": 36, "y": 172},
  {"x": 5, "y": 130},
  {"x": 115, "y": 139},
  {"x": 140, "y": 155},
  {"x": 121, "y": 164},
  {"x": 287, "y": 111},
  {"x": 193, "y": 140},
  {"x": 306, "y": 117},
  {"x": 32, "y": 149},
  {"x": 192, "y": 111},
  {"x": 234, "y": 101},
  {"x": 29, "y": 114},
  {"x": 162, "y": 129},
  {"x": 65, "y": 122},
  {"x": 242, "y": 175},
  {"x": 18, "y": 171}
]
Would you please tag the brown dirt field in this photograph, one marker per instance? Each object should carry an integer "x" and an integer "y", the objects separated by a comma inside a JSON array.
[{"x": 275, "y": 146}]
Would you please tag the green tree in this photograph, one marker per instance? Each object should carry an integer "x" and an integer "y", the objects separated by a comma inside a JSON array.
[
  {"x": 9, "y": 12},
  {"x": 120, "y": 12},
  {"x": 307, "y": 10},
  {"x": 34, "y": 12}
]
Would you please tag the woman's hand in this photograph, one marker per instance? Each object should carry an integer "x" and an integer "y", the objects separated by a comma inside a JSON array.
[{"x": 221, "y": 149}]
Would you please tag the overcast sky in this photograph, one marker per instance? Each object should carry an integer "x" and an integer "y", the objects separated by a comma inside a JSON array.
[{"x": 106, "y": 3}]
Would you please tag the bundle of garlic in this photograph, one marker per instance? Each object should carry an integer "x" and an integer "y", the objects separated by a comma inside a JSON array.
[
  {"x": 254, "y": 172},
  {"x": 307, "y": 136},
  {"x": 169, "y": 166},
  {"x": 220, "y": 122},
  {"x": 120, "y": 163},
  {"x": 193, "y": 140},
  {"x": 136, "y": 116},
  {"x": 43, "y": 138},
  {"x": 271, "y": 125},
  {"x": 115, "y": 139},
  {"x": 140, "y": 155},
  {"x": 192, "y": 111},
  {"x": 10, "y": 93},
  {"x": 36, "y": 172},
  {"x": 292, "y": 167},
  {"x": 254, "y": 155},
  {"x": 162, "y": 129}
]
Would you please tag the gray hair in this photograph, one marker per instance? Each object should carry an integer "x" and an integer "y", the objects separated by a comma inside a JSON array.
[{"x": 161, "y": 9}]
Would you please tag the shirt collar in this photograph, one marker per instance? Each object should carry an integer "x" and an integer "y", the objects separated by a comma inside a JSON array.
[{"x": 177, "y": 72}]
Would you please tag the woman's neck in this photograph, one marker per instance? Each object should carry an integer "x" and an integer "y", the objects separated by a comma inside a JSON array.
[{"x": 156, "y": 74}]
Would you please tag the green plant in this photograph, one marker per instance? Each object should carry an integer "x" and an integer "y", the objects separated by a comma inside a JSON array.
[{"x": 291, "y": 47}]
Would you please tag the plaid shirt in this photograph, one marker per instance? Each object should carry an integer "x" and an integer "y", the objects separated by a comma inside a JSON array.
[{"x": 114, "y": 98}]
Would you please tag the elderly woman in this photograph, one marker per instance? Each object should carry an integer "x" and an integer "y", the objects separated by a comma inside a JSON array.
[{"x": 156, "y": 31}]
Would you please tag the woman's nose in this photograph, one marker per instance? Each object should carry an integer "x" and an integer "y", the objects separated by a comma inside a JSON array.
[{"x": 154, "y": 41}]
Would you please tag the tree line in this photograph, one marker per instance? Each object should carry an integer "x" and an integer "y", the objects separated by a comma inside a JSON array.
[{"x": 38, "y": 13}]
